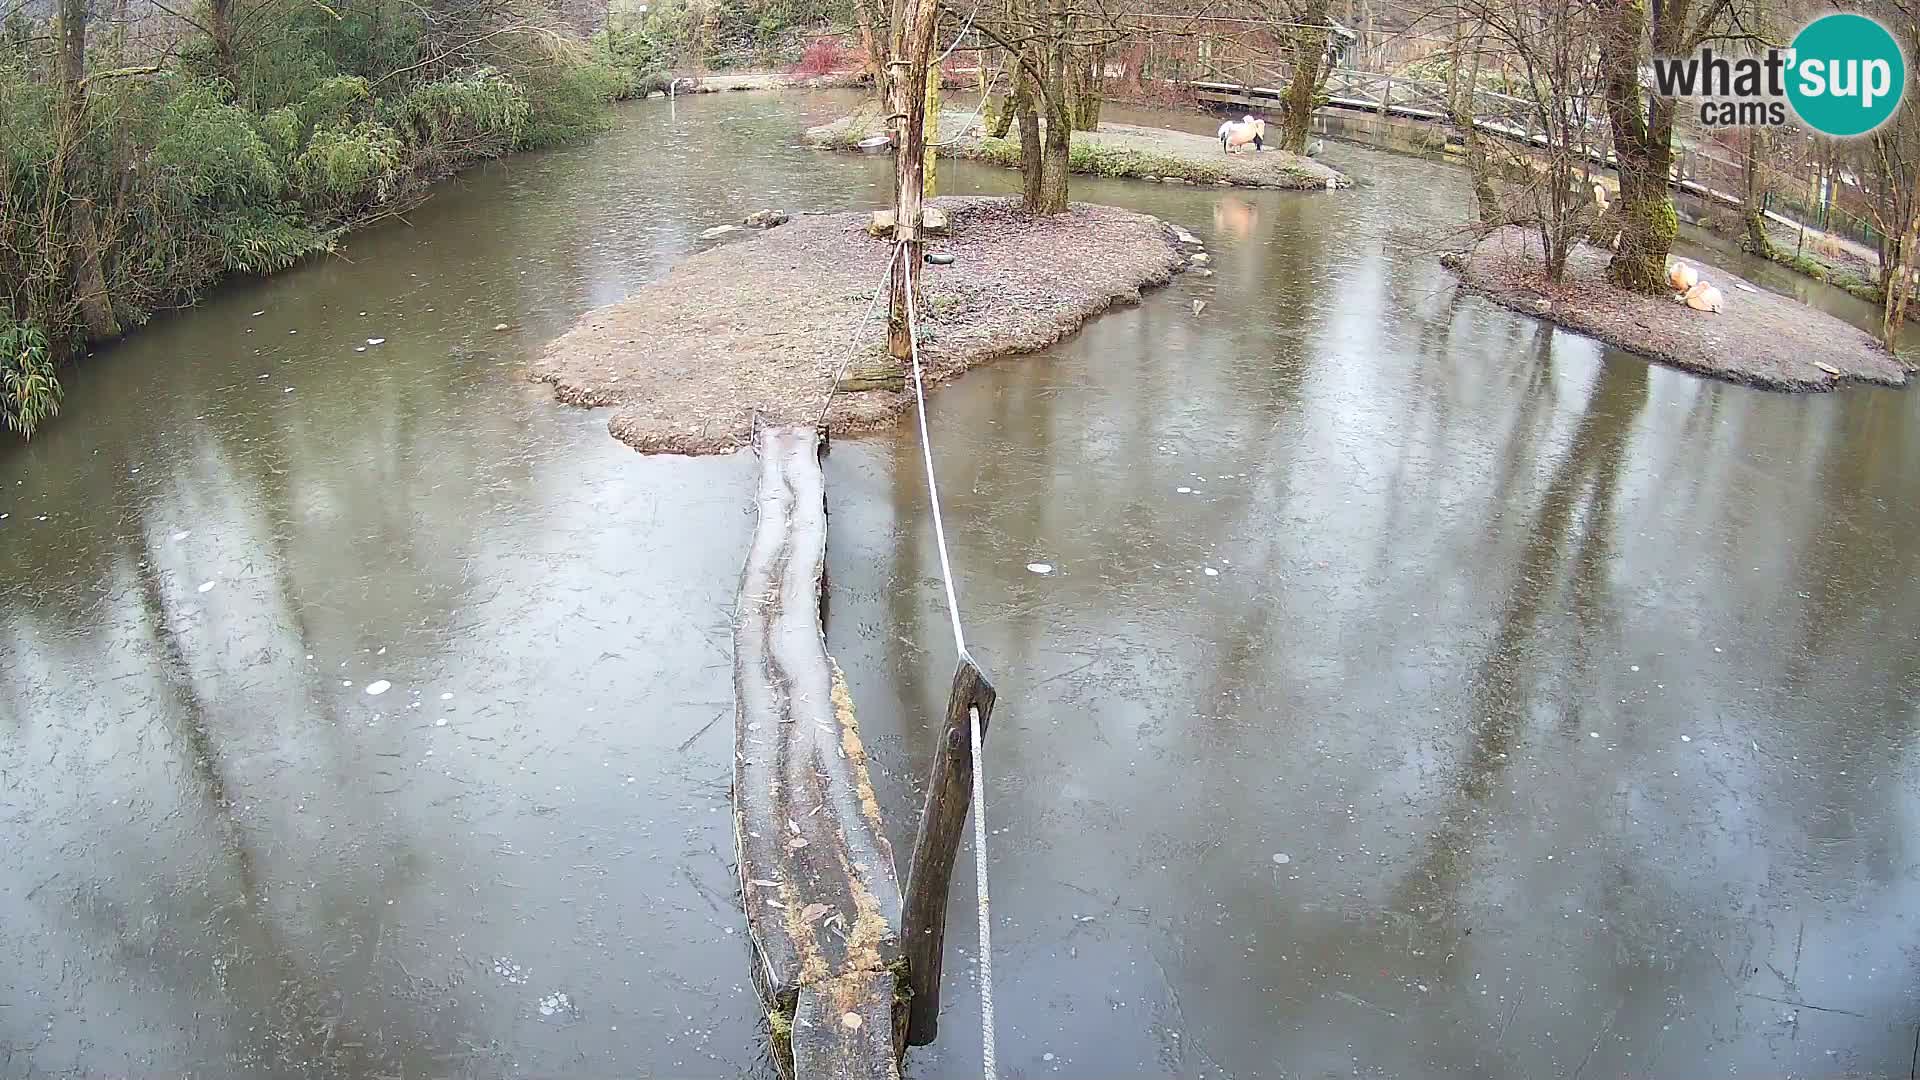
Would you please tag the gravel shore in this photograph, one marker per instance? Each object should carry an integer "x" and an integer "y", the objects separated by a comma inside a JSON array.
[
  {"x": 1762, "y": 339},
  {"x": 762, "y": 325}
]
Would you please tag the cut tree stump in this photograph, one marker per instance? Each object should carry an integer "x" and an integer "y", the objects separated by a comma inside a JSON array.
[{"x": 816, "y": 870}]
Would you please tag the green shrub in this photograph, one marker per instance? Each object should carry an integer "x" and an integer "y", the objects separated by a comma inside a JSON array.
[
  {"x": 567, "y": 102},
  {"x": 1094, "y": 159},
  {"x": 29, "y": 392},
  {"x": 26, "y": 128},
  {"x": 351, "y": 166},
  {"x": 668, "y": 25},
  {"x": 477, "y": 115},
  {"x": 1804, "y": 263},
  {"x": 332, "y": 101},
  {"x": 326, "y": 113},
  {"x": 283, "y": 133},
  {"x": 262, "y": 241},
  {"x": 210, "y": 151},
  {"x": 280, "y": 69}
]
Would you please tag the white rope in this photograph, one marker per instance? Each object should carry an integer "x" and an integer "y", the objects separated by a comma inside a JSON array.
[
  {"x": 961, "y": 36},
  {"x": 985, "y": 96},
  {"x": 980, "y": 888},
  {"x": 926, "y": 452},
  {"x": 853, "y": 339},
  {"x": 989, "y": 1068}
]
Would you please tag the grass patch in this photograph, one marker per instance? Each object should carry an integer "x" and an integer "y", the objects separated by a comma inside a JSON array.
[
  {"x": 1853, "y": 284},
  {"x": 1093, "y": 159},
  {"x": 1803, "y": 263}
]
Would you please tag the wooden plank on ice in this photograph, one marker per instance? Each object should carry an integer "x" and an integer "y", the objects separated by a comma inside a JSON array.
[{"x": 816, "y": 871}]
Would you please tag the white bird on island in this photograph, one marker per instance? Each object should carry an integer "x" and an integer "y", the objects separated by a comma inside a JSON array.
[
  {"x": 1704, "y": 297},
  {"x": 1241, "y": 132}
]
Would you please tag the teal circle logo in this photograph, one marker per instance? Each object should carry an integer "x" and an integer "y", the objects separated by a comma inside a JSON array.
[{"x": 1848, "y": 75}]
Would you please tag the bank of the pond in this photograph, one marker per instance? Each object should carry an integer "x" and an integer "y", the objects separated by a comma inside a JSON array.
[
  {"x": 1121, "y": 151},
  {"x": 1761, "y": 339},
  {"x": 764, "y": 325}
]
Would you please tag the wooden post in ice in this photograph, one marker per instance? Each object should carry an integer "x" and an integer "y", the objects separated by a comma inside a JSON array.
[{"x": 923, "y": 929}]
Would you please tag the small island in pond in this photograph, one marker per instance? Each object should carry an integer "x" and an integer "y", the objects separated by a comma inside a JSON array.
[
  {"x": 1759, "y": 339},
  {"x": 1115, "y": 150},
  {"x": 761, "y": 327}
]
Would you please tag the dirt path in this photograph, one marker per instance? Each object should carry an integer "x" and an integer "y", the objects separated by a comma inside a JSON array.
[
  {"x": 1761, "y": 339},
  {"x": 1116, "y": 150},
  {"x": 762, "y": 325}
]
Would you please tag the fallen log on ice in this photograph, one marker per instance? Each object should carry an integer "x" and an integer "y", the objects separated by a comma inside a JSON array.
[{"x": 816, "y": 870}]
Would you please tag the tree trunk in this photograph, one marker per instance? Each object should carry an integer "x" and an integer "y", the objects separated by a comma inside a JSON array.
[
  {"x": 73, "y": 54},
  {"x": 1643, "y": 148},
  {"x": 1000, "y": 113},
  {"x": 1899, "y": 285},
  {"x": 1486, "y": 199},
  {"x": 929, "y": 164},
  {"x": 220, "y": 29},
  {"x": 907, "y": 75},
  {"x": 1309, "y": 52},
  {"x": 73, "y": 251},
  {"x": 1089, "y": 88},
  {"x": 118, "y": 41},
  {"x": 1059, "y": 126},
  {"x": 1058, "y": 154},
  {"x": 1754, "y": 207},
  {"x": 1032, "y": 158},
  {"x": 873, "y": 24}
]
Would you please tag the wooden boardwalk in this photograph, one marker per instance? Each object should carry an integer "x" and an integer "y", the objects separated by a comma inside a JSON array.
[
  {"x": 816, "y": 870},
  {"x": 1262, "y": 86}
]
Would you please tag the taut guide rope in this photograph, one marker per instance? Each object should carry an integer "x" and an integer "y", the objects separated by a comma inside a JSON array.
[{"x": 990, "y": 1069}]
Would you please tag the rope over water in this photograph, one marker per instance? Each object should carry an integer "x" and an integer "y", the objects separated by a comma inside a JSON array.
[{"x": 989, "y": 1068}]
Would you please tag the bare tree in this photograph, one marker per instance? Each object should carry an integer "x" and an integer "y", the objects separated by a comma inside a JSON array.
[
  {"x": 1643, "y": 123},
  {"x": 1311, "y": 61},
  {"x": 1893, "y": 166},
  {"x": 1555, "y": 71},
  {"x": 1753, "y": 202}
]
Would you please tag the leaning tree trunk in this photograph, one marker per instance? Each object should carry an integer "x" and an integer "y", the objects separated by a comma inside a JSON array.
[
  {"x": 1000, "y": 114},
  {"x": 1643, "y": 148},
  {"x": 1309, "y": 55},
  {"x": 1754, "y": 207},
  {"x": 1899, "y": 285}
]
